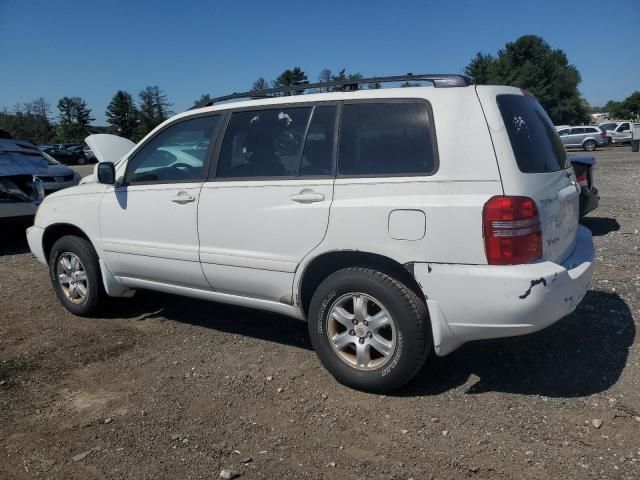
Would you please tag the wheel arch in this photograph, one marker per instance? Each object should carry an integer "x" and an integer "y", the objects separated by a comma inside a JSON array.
[
  {"x": 327, "y": 263},
  {"x": 56, "y": 231}
]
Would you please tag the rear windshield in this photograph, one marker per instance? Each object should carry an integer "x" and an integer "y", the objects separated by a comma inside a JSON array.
[{"x": 535, "y": 142}]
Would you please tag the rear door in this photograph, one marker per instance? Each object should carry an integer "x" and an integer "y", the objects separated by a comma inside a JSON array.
[
  {"x": 577, "y": 136},
  {"x": 533, "y": 163}
]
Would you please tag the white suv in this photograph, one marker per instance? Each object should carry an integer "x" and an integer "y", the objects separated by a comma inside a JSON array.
[{"x": 365, "y": 213}]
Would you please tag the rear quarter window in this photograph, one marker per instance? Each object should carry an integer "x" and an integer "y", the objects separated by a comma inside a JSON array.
[
  {"x": 387, "y": 138},
  {"x": 534, "y": 140}
]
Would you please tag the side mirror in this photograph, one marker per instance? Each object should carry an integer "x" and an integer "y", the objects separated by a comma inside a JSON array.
[{"x": 106, "y": 173}]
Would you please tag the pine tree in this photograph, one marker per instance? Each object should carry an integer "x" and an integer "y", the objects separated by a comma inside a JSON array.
[{"x": 122, "y": 114}]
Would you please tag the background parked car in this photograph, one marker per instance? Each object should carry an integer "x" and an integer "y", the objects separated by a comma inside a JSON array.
[
  {"x": 588, "y": 137},
  {"x": 589, "y": 196},
  {"x": 58, "y": 176},
  {"x": 617, "y": 132},
  {"x": 67, "y": 157}
]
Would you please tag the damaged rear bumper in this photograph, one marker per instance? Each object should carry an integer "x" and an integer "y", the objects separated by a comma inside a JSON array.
[{"x": 474, "y": 302}]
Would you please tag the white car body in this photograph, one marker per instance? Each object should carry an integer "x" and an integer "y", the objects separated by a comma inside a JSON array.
[
  {"x": 618, "y": 132},
  {"x": 251, "y": 242}
]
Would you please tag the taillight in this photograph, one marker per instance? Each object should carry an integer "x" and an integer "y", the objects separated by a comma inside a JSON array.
[
  {"x": 583, "y": 179},
  {"x": 512, "y": 232}
]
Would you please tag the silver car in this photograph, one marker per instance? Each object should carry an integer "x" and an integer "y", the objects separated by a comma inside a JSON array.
[{"x": 588, "y": 137}]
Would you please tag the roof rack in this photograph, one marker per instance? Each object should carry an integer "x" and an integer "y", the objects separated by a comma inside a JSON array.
[{"x": 352, "y": 84}]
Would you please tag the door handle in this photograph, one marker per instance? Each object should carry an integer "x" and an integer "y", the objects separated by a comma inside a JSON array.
[
  {"x": 182, "y": 198},
  {"x": 307, "y": 196}
]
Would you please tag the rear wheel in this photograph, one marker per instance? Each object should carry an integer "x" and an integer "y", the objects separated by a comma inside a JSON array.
[
  {"x": 369, "y": 330},
  {"x": 75, "y": 275},
  {"x": 589, "y": 145}
]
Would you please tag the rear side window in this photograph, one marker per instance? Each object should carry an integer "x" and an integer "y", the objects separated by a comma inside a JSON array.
[
  {"x": 577, "y": 131},
  {"x": 591, "y": 130},
  {"x": 264, "y": 143},
  {"x": 534, "y": 140},
  {"x": 386, "y": 139}
]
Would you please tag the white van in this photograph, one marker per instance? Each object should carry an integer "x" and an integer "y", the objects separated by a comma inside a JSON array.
[{"x": 365, "y": 213}]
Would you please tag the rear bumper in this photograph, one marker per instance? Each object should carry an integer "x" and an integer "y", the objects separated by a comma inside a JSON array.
[
  {"x": 589, "y": 199},
  {"x": 474, "y": 302}
]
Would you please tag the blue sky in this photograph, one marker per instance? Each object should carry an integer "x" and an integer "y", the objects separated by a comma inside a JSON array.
[{"x": 93, "y": 48}]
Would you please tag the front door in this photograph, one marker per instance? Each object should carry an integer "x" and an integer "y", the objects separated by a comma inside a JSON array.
[
  {"x": 268, "y": 205},
  {"x": 149, "y": 222}
]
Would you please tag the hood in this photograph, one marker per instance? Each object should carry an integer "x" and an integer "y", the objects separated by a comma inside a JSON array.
[
  {"x": 109, "y": 148},
  {"x": 59, "y": 171}
]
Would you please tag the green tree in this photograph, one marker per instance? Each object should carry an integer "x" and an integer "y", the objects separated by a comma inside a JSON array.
[
  {"x": 122, "y": 114},
  {"x": 629, "y": 108},
  {"x": 203, "y": 100},
  {"x": 409, "y": 84},
  {"x": 342, "y": 76},
  {"x": 478, "y": 68},
  {"x": 291, "y": 77},
  {"x": 530, "y": 63},
  {"x": 29, "y": 121},
  {"x": 153, "y": 109},
  {"x": 260, "y": 84},
  {"x": 74, "y": 119}
]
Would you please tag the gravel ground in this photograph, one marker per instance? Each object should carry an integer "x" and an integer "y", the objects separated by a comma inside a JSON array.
[{"x": 165, "y": 387}]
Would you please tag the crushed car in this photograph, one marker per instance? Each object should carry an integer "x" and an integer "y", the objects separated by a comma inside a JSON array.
[{"x": 21, "y": 191}]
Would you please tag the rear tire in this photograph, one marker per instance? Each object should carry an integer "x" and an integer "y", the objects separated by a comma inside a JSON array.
[
  {"x": 370, "y": 331},
  {"x": 589, "y": 145},
  {"x": 75, "y": 275}
]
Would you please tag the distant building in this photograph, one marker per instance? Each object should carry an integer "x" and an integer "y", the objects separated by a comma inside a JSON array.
[{"x": 599, "y": 117}]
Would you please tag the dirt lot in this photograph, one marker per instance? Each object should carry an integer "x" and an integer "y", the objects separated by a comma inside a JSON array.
[{"x": 164, "y": 387}]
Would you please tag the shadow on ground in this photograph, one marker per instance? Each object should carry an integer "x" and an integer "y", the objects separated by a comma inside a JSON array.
[
  {"x": 13, "y": 237},
  {"x": 600, "y": 226},
  {"x": 582, "y": 354}
]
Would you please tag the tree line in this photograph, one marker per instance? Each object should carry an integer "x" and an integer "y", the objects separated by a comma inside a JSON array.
[
  {"x": 529, "y": 63},
  {"x": 34, "y": 121}
]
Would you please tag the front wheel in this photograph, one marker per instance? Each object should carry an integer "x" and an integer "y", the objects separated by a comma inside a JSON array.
[
  {"x": 75, "y": 275},
  {"x": 369, "y": 330},
  {"x": 589, "y": 145}
]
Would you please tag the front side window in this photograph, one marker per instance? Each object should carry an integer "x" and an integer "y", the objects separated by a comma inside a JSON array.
[
  {"x": 177, "y": 154},
  {"x": 390, "y": 138},
  {"x": 624, "y": 127},
  {"x": 564, "y": 132},
  {"x": 264, "y": 143}
]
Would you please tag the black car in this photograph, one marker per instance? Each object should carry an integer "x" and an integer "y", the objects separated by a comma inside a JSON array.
[
  {"x": 589, "y": 196},
  {"x": 67, "y": 156}
]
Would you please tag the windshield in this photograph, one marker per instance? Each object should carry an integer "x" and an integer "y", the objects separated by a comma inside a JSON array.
[
  {"x": 17, "y": 163},
  {"x": 50, "y": 160},
  {"x": 608, "y": 126}
]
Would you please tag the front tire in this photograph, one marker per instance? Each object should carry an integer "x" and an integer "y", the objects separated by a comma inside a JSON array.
[
  {"x": 74, "y": 270},
  {"x": 589, "y": 145},
  {"x": 370, "y": 331}
]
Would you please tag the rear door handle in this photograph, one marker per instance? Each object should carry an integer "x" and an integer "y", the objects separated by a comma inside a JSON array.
[
  {"x": 307, "y": 196},
  {"x": 183, "y": 197}
]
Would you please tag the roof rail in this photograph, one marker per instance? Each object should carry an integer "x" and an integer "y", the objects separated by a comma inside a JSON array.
[{"x": 438, "y": 80}]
